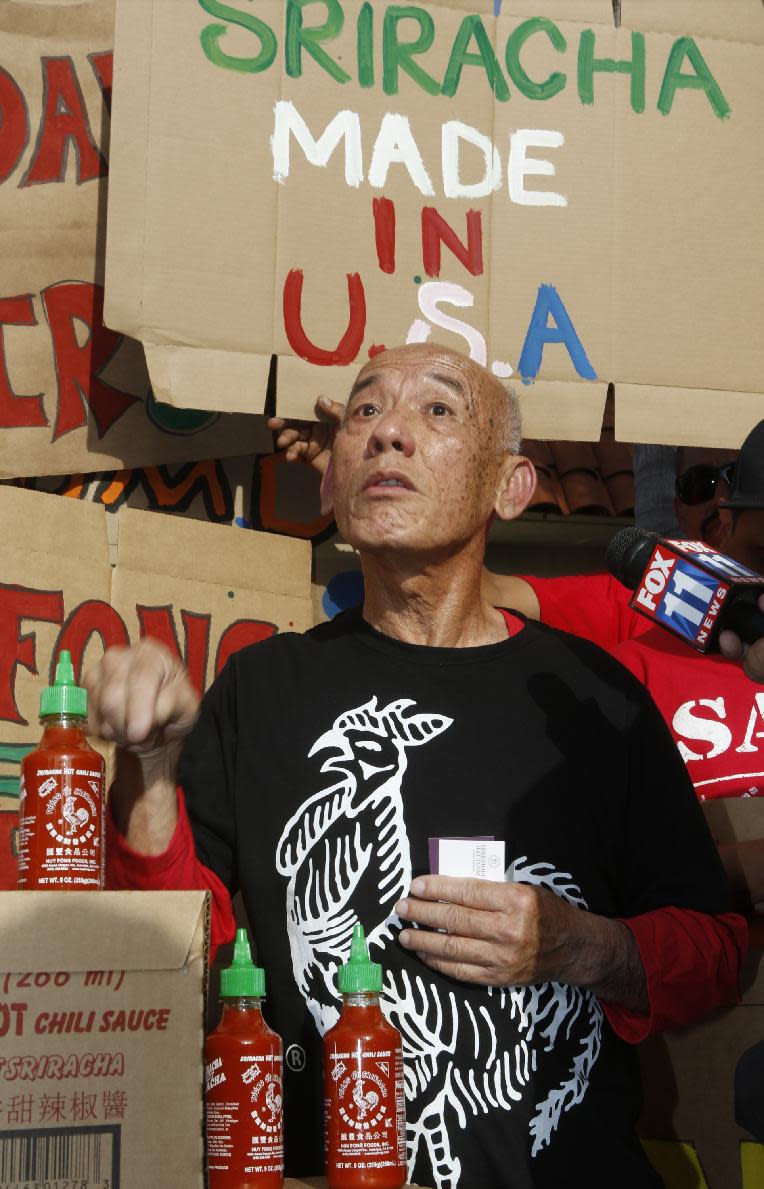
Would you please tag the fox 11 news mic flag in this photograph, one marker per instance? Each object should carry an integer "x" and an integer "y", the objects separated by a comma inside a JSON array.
[{"x": 687, "y": 587}]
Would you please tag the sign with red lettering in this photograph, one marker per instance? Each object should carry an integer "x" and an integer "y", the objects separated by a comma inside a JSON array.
[
  {"x": 571, "y": 203},
  {"x": 203, "y": 590},
  {"x": 74, "y": 396}
]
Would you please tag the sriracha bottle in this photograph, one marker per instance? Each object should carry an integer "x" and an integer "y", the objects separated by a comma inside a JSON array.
[
  {"x": 243, "y": 1084},
  {"x": 365, "y": 1117},
  {"x": 62, "y": 795}
]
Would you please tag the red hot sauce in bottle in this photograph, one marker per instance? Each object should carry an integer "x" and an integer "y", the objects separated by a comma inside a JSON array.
[
  {"x": 243, "y": 1084},
  {"x": 62, "y": 795},
  {"x": 365, "y": 1117}
]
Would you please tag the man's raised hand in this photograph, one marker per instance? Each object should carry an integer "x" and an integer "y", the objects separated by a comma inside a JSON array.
[
  {"x": 309, "y": 441},
  {"x": 141, "y": 698},
  {"x": 731, "y": 646}
]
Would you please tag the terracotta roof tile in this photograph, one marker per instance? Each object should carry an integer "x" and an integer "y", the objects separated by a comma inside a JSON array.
[{"x": 588, "y": 478}]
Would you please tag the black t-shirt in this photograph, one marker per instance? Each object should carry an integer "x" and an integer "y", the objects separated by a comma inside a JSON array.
[{"x": 319, "y": 767}]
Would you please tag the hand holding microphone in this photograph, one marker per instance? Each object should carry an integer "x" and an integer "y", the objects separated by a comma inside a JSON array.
[{"x": 692, "y": 591}]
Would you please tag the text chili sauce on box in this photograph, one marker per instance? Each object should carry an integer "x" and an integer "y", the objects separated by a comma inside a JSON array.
[
  {"x": 364, "y": 1106},
  {"x": 61, "y": 808}
]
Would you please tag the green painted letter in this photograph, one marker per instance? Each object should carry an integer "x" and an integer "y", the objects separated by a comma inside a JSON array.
[
  {"x": 211, "y": 34},
  {"x": 470, "y": 27},
  {"x": 298, "y": 37},
  {"x": 397, "y": 54},
  {"x": 515, "y": 42},
  {"x": 365, "y": 45},
  {"x": 701, "y": 80},
  {"x": 587, "y": 64}
]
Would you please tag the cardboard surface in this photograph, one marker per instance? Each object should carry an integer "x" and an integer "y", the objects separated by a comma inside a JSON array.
[
  {"x": 326, "y": 210},
  {"x": 205, "y": 590},
  {"x": 101, "y": 1003},
  {"x": 73, "y": 395}
]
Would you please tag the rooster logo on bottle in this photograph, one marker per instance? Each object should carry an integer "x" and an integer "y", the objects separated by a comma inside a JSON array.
[{"x": 348, "y": 844}]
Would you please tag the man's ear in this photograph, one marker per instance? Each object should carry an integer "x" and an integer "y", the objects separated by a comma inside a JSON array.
[
  {"x": 517, "y": 483},
  {"x": 327, "y": 489}
]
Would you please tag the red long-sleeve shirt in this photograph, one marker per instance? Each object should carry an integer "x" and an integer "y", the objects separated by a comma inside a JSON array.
[{"x": 691, "y": 959}]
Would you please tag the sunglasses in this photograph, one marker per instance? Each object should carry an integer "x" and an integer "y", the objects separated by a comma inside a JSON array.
[{"x": 698, "y": 484}]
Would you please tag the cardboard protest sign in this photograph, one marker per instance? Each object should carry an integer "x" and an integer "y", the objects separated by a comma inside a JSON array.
[
  {"x": 258, "y": 491},
  {"x": 73, "y": 395},
  {"x": 204, "y": 590},
  {"x": 570, "y": 202}
]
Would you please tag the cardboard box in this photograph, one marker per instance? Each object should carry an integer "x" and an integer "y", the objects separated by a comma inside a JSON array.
[
  {"x": 571, "y": 202},
  {"x": 101, "y": 1038}
]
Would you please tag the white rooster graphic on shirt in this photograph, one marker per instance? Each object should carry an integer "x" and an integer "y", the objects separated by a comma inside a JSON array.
[{"x": 348, "y": 844}]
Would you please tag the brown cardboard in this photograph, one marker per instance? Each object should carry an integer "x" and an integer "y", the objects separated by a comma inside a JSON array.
[
  {"x": 204, "y": 589},
  {"x": 656, "y": 254},
  {"x": 73, "y": 396},
  {"x": 71, "y": 1065}
]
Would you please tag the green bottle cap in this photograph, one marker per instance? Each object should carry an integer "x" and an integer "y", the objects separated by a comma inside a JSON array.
[
  {"x": 359, "y": 974},
  {"x": 64, "y": 697},
  {"x": 242, "y": 979}
]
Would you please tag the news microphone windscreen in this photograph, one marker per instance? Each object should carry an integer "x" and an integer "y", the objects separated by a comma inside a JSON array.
[{"x": 628, "y": 554}]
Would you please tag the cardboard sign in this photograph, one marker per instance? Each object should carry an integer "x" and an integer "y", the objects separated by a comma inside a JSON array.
[
  {"x": 204, "y": 590},
  {"x": 101, "y": 1019},
  {"x": 569, "y": 202},
  {"x": 261, "y": 492},
  {"x": 73, "y": 395}
]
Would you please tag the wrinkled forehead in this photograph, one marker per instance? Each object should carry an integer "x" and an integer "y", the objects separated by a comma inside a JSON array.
[{"x": 428, "y": 364}]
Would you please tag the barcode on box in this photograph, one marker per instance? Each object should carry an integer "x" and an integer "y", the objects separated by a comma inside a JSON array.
[{"x": 60, "y": 1158}]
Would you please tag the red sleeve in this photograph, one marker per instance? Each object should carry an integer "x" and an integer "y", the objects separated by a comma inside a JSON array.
[
  {"x": 595, "y": 606},
  {"x": 692, "y": 961},
  {"x": 177, "y": 868}
]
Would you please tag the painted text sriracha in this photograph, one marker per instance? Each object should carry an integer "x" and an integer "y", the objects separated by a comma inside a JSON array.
[
  {"x": 62, "y": 786},
  {"x": 243, "y": 1084},
  {"x": 365, "y": 1119}
]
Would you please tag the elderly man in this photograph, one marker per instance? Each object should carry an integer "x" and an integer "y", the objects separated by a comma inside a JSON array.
[{"x": 321, "y": 764}]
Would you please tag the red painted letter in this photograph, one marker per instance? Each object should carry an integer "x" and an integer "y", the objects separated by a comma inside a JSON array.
[
  {"x": 64, "y": 122},
  {"x": 77, "y": 366},
  {"x": 435, "y": 230},
  {"x": 103, "y": 69},
  {"x": 17, "y": 410},
  {"x": 93, "y": 617},
  {"x": 14, "y": 124},
  {"x": 238, "y": 635},
  {"x": 350, "y": 343},
  {"x": 19, "y": 603},
  {"x": 384, "y": 232}
]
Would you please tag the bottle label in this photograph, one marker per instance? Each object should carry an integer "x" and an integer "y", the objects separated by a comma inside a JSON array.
[
  {"x": 369, "y": 1102},
  {"x": 244, "y": 1114},
  {"x": 62, "y": 809}
]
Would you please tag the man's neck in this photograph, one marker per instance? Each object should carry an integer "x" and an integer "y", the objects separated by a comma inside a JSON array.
[{"x": 437, "y": 603}]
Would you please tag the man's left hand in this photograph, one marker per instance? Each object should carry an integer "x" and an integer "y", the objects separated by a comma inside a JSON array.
[{"x": 497, "y": 934}]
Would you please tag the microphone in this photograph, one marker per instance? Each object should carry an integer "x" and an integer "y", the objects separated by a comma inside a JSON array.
[{"x": 687, "y": 587}]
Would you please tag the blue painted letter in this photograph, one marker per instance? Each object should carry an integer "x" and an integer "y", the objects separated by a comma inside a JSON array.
[{"x": 539, "y": 333}]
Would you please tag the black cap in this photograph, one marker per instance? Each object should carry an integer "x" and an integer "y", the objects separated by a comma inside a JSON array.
[{"x": 748, "y": 475}]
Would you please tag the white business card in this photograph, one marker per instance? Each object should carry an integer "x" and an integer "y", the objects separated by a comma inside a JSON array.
[{"x": 476, "y": 858}]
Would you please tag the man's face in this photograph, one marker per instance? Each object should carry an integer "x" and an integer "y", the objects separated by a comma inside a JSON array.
[
  {"x": 699, "y": 521},
  {"x": 415, "y": 462},
  {"x": 746, "y": 540}
]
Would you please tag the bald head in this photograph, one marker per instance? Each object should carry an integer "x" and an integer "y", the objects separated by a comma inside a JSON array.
[{"x": 493, "y": 404}]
